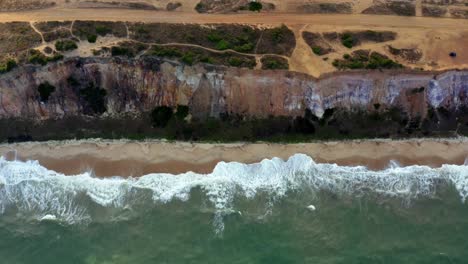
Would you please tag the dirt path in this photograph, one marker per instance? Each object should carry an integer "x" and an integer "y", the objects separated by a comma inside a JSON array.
[
  {"x": 263, "y": 18},
  {"x": 419, "y": 8},
  {"x": 37, "y": 31}
]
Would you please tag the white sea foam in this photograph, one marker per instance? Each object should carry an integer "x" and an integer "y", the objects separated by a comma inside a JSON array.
[{"x": 33, "y": 189}]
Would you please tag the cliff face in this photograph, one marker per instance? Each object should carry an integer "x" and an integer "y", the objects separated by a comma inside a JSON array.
[{"x": 135, "y": 86}]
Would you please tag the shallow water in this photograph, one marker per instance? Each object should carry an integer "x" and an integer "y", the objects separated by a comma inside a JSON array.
[{"x": 237, "y": 214}]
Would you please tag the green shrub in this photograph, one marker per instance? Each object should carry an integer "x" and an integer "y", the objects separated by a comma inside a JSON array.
[
  {"x": 317, "y": 50},
  {"x": 274, "y": 63},
  {"x": 65, "y": 45},
  {"x": 244, "y": 48},
  {"x": 362, "y": 60},
  {"x": 103, "y": 30},
  {"x": 9, "y": 65},
  {"x": 347, "y": 40},
  {"x": 214, "y": 37},
  {"x": 188, "y": 58},
  {"x": 200, "y": 7},
  {"x": 45, "y": 90},
  {"x": 223, "y": 45},
  {"x": 92, "y": 38},
  {"x": 161, "y": 115},
  {"x": 278, "y": 33},
  {"x": 235, "y": 61},
  {"x": 207, "y": 59},
  {"x": 121, "y": 51},
  {"x": 255, "y": 6},
  {"x": 37, "y": 57}
]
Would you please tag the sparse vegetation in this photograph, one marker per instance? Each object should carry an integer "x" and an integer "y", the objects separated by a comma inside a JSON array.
[
  {"x": 364, "y": 59},
  {"x": 173, "y": 6},
  {"x": 90, "y": 30},
  {"x": 241, "y": 38},
  {"x": 398, "y": 7},
  {"x": 317, "y": 43},
  {"x": 17, "y": 37},
  {"x": 190, "y": 56},
  {"x": 279, "y": 40},
  {"x": 45, "y": 90},
  {"x": 326, "y": 8},
  {"x": 411, "y": 55}
]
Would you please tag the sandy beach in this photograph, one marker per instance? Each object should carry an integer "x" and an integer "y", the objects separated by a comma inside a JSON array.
[{"x": 135, "y": 158}]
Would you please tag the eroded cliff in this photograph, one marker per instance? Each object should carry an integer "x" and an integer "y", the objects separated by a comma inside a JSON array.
[{"x": 136, "y": 86}]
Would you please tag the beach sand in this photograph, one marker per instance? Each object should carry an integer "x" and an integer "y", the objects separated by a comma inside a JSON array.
[{"x": 135, "y": 158}]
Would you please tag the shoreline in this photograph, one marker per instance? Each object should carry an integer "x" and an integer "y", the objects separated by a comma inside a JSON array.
[{"x": 125, "y": 158}]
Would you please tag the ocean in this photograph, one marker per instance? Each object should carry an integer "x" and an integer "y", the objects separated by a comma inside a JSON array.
[{"x": 275, "y": 211}]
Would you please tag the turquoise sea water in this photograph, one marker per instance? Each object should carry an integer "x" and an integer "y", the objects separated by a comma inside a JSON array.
[{"x": 240, "y": 213}]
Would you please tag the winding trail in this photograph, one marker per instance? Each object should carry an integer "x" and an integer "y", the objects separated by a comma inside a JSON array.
[{"x": 38, "y": 32}]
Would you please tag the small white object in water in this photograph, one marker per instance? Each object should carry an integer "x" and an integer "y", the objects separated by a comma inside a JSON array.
[
  {"x": 311, "y": 207},
  {"x": 48, "y": 217}
]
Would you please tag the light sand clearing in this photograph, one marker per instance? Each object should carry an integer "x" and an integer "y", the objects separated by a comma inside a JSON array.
[{"x": 125, "y": 158}]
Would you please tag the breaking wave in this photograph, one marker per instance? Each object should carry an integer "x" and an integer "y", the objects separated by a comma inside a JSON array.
[{"x": 39, "y": 193}]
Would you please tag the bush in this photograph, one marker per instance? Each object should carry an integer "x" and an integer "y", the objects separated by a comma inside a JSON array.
[
  {"x": 317, "y": 50},
  {"x": 103, "y": 30},
  {"x": 235, "y": 61},
  {"x": 188, "y": 58},
  {"x": 278, "y": 33},
  {"x": 347, "y": 40},
  {"x": 45, "y": 90},
  {"x": 37, "y": 57},
  {"x": 201, "y": 8},
  {"x": 9, "y": 65},
  {"x": 361, "y": 59},
  {"x": 92, "y": 38},
  {"x": 214, "y": 37},
  {"x": 255, "y": 6},
  {"x": 244, "y": 48},
  {"x": 274, "y": 63},
  {"x": 223, "y": 45},
  {"x": 65, "y": 45},
  {"x": 161, "y": 115},
  {"x": 207, "y": 59},
  {"x": 121, "y": 51}
]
